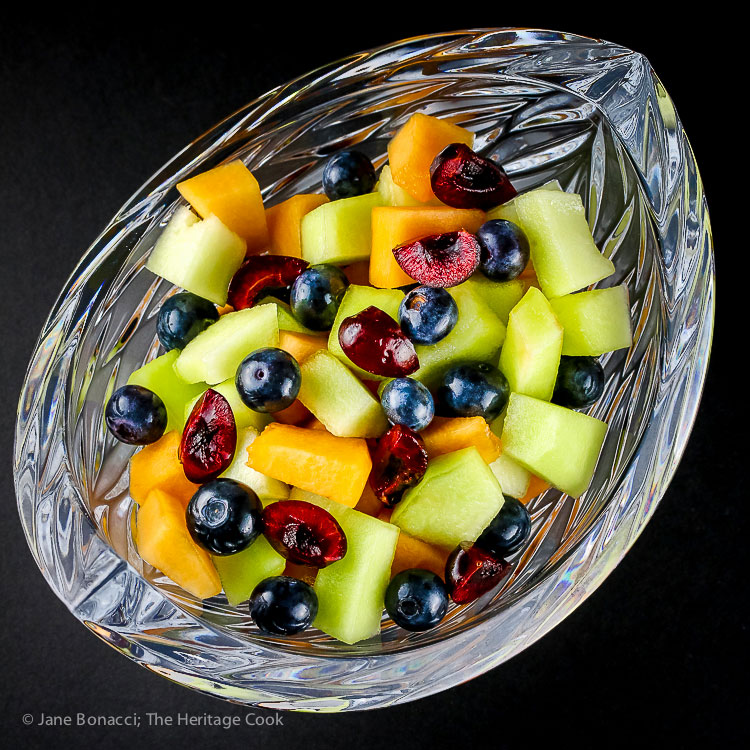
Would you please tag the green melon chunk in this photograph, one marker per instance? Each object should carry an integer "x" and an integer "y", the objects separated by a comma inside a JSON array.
[
  {"x": 454, "y": 501},
  {"x": 339, "y": 232},
  {"x": 200, "y": 256},
  {"x": 559, "y": 445},
  {"x": 334, "y": 394},
  {"x": 160, "y": 376},
  {"x": 214, "y": 355},
  {"x": 595, "y": 322},
  {"x": 476, "y": 337},
  {"x": 513, "y": 478},
  {"x": 287, "y": 321},
  {"x": 242, "y": 572},
  {"x": 356, "y": 299},
  {"x": 500, "y": 296},
  {"x": 508, "y": 210},
  {"x": 244, "y": 416},
  {"x": 267, "y": 488},
  {"x": 531, "y": 352},
  {"x": 393, "y": 194}
]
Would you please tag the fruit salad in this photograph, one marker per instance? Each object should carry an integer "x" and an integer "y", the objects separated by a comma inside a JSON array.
[{"x": 361, "y": 390}]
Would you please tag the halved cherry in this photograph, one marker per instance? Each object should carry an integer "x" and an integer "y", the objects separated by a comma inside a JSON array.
[
  {"x": 440, "y": 260},
  {"x": 209, "y": 438},
  {"x": 462, "y": 179},
  {"x": 471, "y": 572},
  {"x": 304, "y": 533},
  {"x": 398, "y": 462},
  {"x": 374, "y": 341},
  {"x": 262, "y": 273}
]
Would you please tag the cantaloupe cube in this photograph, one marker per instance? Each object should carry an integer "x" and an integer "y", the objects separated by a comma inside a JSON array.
[
  {"x": 358, "y": 273},
  {"x": 412, "y": 150},
  {"x": 414, "y": 553},
  {"x": 368, "y": 503},
  {"x": 301, "y": 345},
  {"x": 316, "y": 461},
  {"x": 537, "y": 485},
  {"x": 393, "y": 194},
  {"x": 164, "y": 541},
  {"x": 394, "y": 225},
  {"x": 284, "y": 221},
  {"x": 231, "y": 193},
  {"x": 296, "y": 413},
  {"x": 448, "y": 434}
]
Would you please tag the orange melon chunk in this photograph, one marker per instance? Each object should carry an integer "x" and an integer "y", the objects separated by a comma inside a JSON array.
[
  {"x": 157, "y": 467},
  {"x": 368, "y": 503},
  {"x": 316, "y": 424},
  {"x": 313, "y": 460},
  {"x": 414, "y": 553},
  {"x": 301, "y": 345},
  {"x": 284, "y": 223},
  {"x": 417, "y": 143},
  {"x": 358, "y": 273},
  {"x": 294, "y": 414},
  {"x": 231, "y": 193},
  {"x": 449, "y": 434},
  {"x": 304, "y": 573},
  {"x": 394, "y": 225},
  {"x": 164, "y": 541},
  {"x": 536, "y": 487}
]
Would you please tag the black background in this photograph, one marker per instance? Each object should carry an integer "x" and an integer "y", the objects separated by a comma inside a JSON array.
[{"x": 88, "y": 112}]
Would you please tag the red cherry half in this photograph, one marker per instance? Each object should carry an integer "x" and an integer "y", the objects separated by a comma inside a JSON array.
[
  {"x": 398, "y": 462},
  {"x": 440, "y": 260},
  {"x": 471, "y": 572},
  {"x": 259, "y": 273}
]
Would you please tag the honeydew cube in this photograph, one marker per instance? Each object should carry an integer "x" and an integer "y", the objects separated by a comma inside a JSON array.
[
  {"x": 267, "y": 488},
  {"x": 393, "y": 194},
  {"x": 242, "y": 572},
  {"x": 339, "y": 232},
  {"x": 200, "y": 256},
  {"x": 533, "y": 342},
  {"x": 508, "y": 210},
  {"x": 500, "y": 296},
  {"x": 513, "y": 478},
  {"x": 595, "y": 322},
  {"x": 287, "y": 321},
  {"x": 454, "y": 501},
  {"x": 334, "y": 394},
  {"x": 214, "y": 355},
  {"x": 557, "y": 444}
]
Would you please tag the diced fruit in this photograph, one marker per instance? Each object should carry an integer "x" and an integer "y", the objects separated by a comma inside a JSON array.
[
  {"x": 163, "y": 541},
  {"x": 215, "y": 354},
  {"x": 557, "y": 444},
  {"x": 473, "y": 390},
  {"x": 413, "y": 149},
  {"x": 157, "y": 467},
  {"x": 287, "y": 321},
  {"x": 243, "y": 416},
  {"x": 347, "y": 174},
  {"x": 513, "y": 478},
  {"x": 231, "y": 193},
  {"x": 316, "y": 296},
  {"x": 351, "y": 592},
  {"x": 427, "y": 314},
  {"x": 356, "y": 299},
  {"x": 536, "y": 487},
  {"x": 531, "y": 352},
  {"x": 508, "y": 211},
  {"x": 440, "y": 260},
  {"x": 135, "y": 415},
  {"x": 580, "y": 382},
  {"x": 455, "y": 501},
  {"x": 300, "y": 345},
  {"x": 375, "y": 343},
  {"x": 562, "y": 249},
  {"x": 463, "y": 179},
  {"x": 393, "y": 194},
  {"x": 505, "y": 250},
  {"x": 297, "y": 413},
  {"x": 416, "y": 599},
  {"x": 304, "y": 573},
  {"x": 508, "y": 530},
  {"x": 500, "y": 296},
  {"x": 369, "y": 503},
  {"x": 283, "y": 606},
  {"x": 339, "y": 232},
  {"x": 408, "y": 402},
  {"x": 446, "y": 435},
  {"x": 285, "y": 220},
  {"x": 414, "y": 553},
  {"x": 182, "y": 317},
  {"x": 358, "y": 273},
  {"x": 399, "y": 461},
  {"x": 260, "y": 274},
  {"x": 159, "y": 375},
  {"x": 594, "y": 322},
  {"x": 393, "y": 226},
  {"x": 199, "y": 256},
  {"x": 471, "y": 572},
  {"x": 338, "y": 399},
  {"x": 268, "y": 380},
  {"x": 313, "y": 460},
  {"x": 242, "y": 572}
]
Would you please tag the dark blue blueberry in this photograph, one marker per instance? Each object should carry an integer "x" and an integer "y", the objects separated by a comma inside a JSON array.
[
  {"x": 427, "y": 314},
  {"x": 408, "y": 402},
  {"x": 416, "y": 599},
  {"x": 316, "y": 295},
  {"x": 347, "y": 174},
  {"x": 224, "y": 516},
  {"x": 472, "y": 390},
  {"x": 580, "y": 382},
  {"x": 283, "y": 606},
  {"x": 508, "y": 530},
  {"x": 182, "y": 317},
  {"x": 268, "y": 380},
  {"x": 504, "y": 250},
  {"x": 135, "y": 415}
]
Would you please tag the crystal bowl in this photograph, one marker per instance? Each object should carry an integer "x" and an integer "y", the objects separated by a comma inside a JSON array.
[{"x": 546, "y": 105}]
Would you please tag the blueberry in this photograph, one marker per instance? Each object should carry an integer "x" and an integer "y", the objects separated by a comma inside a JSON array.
[
  {"x": 416, "y": 599},
  {"x": 472, "y": 390},
  {"x": 504, "y": 250},
  {"x": 580, "y": 382},
  {"x": 182, "y": 317},
  {"x": 283, "y": 606},
  {"x": 224, "y": 516},
  {"x": 408, "y": 402},
  {"x": 427, "y": 314},
  {"x": 347, "y": 174},
  {"x": 508, "y": 530},
  {"x": 316, "y": 295},
  {"x": 268, "y": 380},
  {"x": 135, "y": 415}
]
